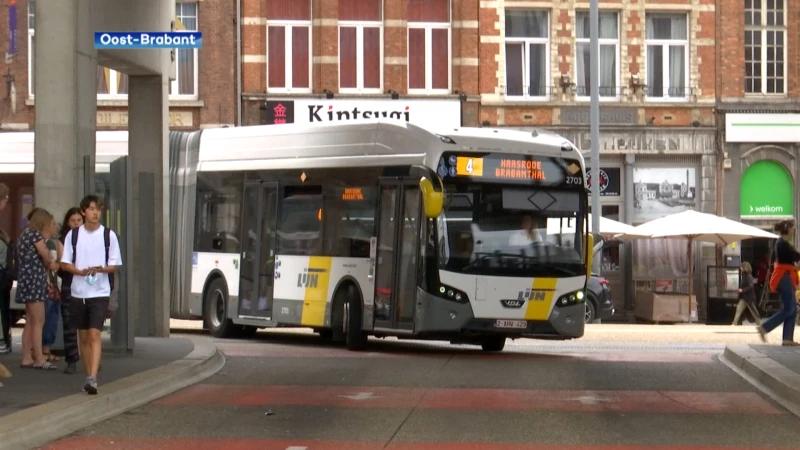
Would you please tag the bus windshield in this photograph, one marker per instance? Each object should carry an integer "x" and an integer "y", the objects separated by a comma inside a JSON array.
[{"x": 518, "y": 231}]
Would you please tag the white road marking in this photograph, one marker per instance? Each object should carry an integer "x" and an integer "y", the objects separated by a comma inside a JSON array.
[{"x": 361, "y": 396}]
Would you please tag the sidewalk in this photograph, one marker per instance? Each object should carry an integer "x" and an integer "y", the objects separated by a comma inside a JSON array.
[
  {"x": 38, "y": 406},
  {"x": 772, "y": 368}
]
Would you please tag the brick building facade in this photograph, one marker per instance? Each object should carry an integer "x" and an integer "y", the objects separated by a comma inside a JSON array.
[
  {"x": 758, "y": 108},
  {"x": 203, "y": 95},
  {"x": 657, "y": 89},
  {"x": 330, "y": 54}
]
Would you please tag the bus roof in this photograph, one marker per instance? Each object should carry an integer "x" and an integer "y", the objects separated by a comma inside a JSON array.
[{"x": 372, "y": 143}]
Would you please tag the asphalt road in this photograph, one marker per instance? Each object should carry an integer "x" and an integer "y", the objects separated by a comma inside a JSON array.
[{"x": 291, "y": 392}]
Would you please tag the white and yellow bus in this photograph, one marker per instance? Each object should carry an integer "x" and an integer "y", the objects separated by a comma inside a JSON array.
[{"x": 472, "y": 235}]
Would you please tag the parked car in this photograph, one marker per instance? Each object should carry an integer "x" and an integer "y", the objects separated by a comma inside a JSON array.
[{"x": 598, "y": 299}]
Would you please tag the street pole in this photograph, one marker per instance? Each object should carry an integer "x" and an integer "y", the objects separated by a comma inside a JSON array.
[{"x": 594, "y": 111}]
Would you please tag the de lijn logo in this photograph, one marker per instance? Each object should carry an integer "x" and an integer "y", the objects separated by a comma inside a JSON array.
[{"x": 143, "y": 40}]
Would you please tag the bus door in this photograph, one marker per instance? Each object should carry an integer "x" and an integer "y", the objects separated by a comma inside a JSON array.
[
  {"x": 257, "y": 274},
  {"x": 397, "y": 255}
]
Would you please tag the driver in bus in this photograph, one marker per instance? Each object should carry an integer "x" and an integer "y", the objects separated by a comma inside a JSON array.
[{"x": 527, "y": 235}]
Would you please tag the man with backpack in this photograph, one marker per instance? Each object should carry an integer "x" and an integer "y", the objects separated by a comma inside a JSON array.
[{"x": 91, "y": 255}]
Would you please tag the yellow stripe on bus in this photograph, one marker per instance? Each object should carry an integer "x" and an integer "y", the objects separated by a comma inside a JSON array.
[
  {"x": 315, "y": 298},
  {"x": 542, "y": 293}
]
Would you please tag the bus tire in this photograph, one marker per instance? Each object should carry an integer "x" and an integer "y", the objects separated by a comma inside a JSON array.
[
  {"x": 338, "y": 332},
  {"x": 494, "y": 344},
  {"x": 356, "y": 337},
  {"x": 216, "y": 310}
]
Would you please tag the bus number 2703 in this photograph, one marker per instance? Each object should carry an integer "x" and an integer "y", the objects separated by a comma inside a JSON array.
[{"x": 574, "y": 181}]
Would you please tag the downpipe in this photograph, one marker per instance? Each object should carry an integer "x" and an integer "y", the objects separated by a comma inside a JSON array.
[{"x": 238, "y": 63}]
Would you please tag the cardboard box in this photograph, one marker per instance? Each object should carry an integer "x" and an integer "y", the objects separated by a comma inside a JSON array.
[{"x": 657, "y": 307}]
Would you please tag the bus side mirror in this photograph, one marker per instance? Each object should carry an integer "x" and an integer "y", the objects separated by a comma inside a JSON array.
[
  {"x": 589, "y": 254},
  {"x": 432, "y": 194},
  {"x": 433, "y": 201}
]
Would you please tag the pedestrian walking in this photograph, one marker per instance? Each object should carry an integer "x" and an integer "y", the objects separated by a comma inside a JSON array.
[
  {"x": 785, "y": 281},
  {"x": 33, "y": 261},
  {"x": 747, "y": 295},
  {"x": 7, "y": 277},
  {"x": 72, "y": 220},
  {"x": 91, "y": 255}
]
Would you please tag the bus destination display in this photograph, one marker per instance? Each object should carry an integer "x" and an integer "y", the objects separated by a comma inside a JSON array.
[{"x": 512, "y": 168}]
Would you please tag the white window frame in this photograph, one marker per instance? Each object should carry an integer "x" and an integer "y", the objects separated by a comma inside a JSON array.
[
  {"x": 526, "y": 55},
  {"x": 763, "y": 28},
  {"x": 665, "y": 45},
  {"x": 429, "y": 27},
  {"x": 602, "y": 42},
  {"x": 287, "y": 63},
  {"x": 31, "y": 57},
  {"x": 359, "y": 26},
  {"x": 174, "y": 83}
]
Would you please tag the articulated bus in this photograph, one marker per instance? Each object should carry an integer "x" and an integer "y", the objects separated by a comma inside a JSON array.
[{"x": 472, "y": 235}]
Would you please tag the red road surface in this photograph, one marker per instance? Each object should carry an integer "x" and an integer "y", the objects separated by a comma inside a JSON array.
[{"x": 475, "y": 399}]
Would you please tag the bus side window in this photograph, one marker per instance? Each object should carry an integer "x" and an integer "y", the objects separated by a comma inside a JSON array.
[
  {"x": 300, "y": 221},
  {"x": 350, "y": 221},
  {"x": 217, "y": 212}
]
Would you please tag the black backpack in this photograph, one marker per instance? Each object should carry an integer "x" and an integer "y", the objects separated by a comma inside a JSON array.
[
  {"x": 11, "y": 260},
  {"x": 106, "y": 239}
]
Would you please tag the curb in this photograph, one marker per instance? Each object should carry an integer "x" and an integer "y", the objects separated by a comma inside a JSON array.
[
  {"x": 36, "y": 426},
  {"x": 770, "y": 376}
]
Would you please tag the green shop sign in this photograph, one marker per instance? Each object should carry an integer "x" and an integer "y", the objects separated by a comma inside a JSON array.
[{"x": 767, "y": 189}]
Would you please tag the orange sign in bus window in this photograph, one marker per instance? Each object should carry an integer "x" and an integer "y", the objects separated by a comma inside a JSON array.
[
  {"x": 520, "y": 169},
  {"x": 352, "y": 193}
]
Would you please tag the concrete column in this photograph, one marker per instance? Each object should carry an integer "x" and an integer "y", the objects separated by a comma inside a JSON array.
[
  {"x": 148, "y": 149},
  {"x": 65, "y": 90}
]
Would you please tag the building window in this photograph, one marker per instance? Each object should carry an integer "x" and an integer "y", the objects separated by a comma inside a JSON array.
[
  {"x": 360, "y": 45},
  {"x": 667, "y": 41},
  {"x": 185, "y": 84},
  {"x": 289, "y": 46},
  {"x": 527, "y": 42},
  {"x": 765, "y": 47},
  {"x": 31, "y": 47},
  {"x": 429, "y": 55},
  {"x": 609, "y": 49},
  {"x": 112, "y": 84}
]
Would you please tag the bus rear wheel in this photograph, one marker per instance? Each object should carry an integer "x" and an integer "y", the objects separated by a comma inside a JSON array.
[
  {"x": 494, "y": 344},
  {"x": 356, "y": 338},
  {"x": 216, "y": 310}
]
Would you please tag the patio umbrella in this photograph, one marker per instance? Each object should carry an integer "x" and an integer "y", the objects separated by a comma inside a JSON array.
[
  {"x": 610, "y": 228},
  {"x": 696, "y": 226}
]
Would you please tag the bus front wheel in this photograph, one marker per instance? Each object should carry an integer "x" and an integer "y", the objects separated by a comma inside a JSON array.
[{"x": 216, "y": 309}]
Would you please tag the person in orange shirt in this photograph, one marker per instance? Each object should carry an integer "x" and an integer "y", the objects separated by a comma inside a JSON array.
[{"x": 784, "y": 280}]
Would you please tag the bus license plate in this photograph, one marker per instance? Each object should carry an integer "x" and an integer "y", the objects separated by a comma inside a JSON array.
[{"x": 511, "y": 324}]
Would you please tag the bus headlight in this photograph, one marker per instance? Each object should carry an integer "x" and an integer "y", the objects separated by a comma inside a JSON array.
[
  {"x": 452, "y": 294},
  {"x": 573, "y": 298}
]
